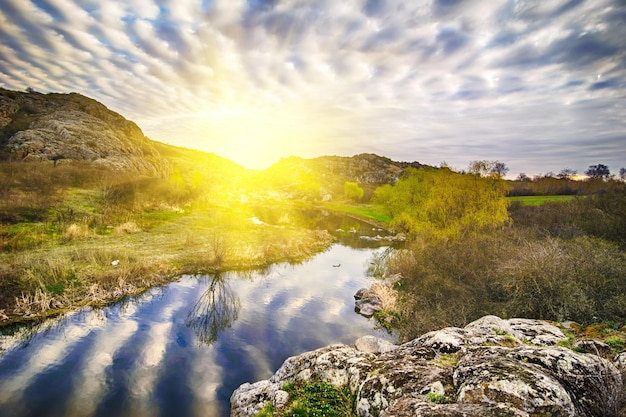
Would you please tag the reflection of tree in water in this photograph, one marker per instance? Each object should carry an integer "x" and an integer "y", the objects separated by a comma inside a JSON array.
[{"x": 217, "y": 309}]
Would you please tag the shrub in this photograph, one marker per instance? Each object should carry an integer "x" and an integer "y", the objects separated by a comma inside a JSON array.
[
  {"x": 352, "y": 191},
  {"x": 127, "y": 227},
  {"x": 512, "y": 273}
]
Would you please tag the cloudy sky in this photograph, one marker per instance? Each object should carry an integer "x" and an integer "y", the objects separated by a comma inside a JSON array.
[{"x": 537, "y": 84}]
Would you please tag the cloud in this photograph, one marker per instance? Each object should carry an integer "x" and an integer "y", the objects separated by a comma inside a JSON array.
[{"x": 394, "y": 77}]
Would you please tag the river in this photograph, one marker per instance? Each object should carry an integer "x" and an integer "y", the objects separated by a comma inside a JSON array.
[{"x": 181, "y": 350}]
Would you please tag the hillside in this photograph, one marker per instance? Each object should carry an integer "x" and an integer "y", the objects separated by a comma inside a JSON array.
[
  {"x": 323, "y": 177},
  {"x": 58, "y": 128},
  {"x": 61, "y": 127}
]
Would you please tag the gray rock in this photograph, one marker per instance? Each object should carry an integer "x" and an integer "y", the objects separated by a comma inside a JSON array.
[
  {"x": 66, "y": 127},
  {"x": 538, "y": 332},
  {"x": 492, "y": 367},
  {"x": 592, "y": 346},
  {"x": 359, "y": 294},
  {"x": 368, "y": 306},
  {"x": 373, "y": 344},
  {"x": 418, "y": 407}
]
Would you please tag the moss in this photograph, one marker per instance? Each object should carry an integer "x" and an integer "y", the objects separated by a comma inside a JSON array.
[
  {"x": 446, "y": 360},
  {"x": 267, "y": 411}
]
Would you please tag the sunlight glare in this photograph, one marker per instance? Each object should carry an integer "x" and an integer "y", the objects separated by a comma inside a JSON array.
[{"x": 258, "y": 137}]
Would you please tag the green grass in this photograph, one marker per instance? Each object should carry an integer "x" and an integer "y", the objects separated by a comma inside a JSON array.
[
  {"x": 537, "y": 200},
  {"x": 314, "y": 399},
  {"x": 59, "y": 265},
  {"x": 366, "y": 211}
]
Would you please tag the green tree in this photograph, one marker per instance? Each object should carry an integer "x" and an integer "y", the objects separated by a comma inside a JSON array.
[
  {"x": 352, "y": 191},
  {"x": 443, "y": 203}
]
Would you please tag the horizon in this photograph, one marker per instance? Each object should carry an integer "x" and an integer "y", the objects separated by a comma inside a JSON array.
[{"x": 539, "y": 86}]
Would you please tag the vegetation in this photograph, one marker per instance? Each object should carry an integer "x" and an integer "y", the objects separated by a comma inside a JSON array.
[
  {"x": 557, "y": 261},
  {"x": 537, "y": 200},
  {"x": 73, "y": 234},
  {"x": 313, "y": 399},
  {"x": 443, "y": 204},
  {"x": 370, "y": 212},
  {"x": 352, "y": 191},
  {"x": 599, "y": 179}
]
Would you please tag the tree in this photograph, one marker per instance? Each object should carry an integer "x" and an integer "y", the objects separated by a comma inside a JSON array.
[
  {"x": 445, "y": 204},
  {"x": 599, "y": 171},
  {"x": 566, "y": 174},
  {"x": 523, "y": 177},
  {"x": 353, "y": 191},
  {"x": 622, "y": 174},
  {"x": 488, "y": 168}
]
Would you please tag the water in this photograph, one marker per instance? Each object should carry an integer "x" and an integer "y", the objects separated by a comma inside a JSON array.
[{"x": 182, "y": 349}]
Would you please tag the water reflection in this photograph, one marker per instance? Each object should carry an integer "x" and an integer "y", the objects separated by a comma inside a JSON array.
[
  {"x": 183, "y": 349},
  {"x": 216, "y": 309},
  {"x": 350, "y": 231}
]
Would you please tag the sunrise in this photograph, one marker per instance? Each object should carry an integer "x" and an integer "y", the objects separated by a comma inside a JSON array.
[
  {"x": 255, "y": 81},
  {"x": 279, "y": 208}
]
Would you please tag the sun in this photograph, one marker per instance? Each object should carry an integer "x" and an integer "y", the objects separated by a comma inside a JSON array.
[{"x": 257, "y": 137}]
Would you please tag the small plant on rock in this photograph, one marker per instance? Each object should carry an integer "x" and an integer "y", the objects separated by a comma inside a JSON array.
[
  {"x": 436, "y": 397},
  {"x": 616, "y": 342}
]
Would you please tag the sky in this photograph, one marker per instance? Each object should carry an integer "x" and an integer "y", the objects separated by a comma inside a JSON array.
[{"x": 537, "y": 84}]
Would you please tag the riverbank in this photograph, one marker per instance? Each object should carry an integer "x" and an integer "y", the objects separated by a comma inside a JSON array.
[{"x": 81, "y": 267}]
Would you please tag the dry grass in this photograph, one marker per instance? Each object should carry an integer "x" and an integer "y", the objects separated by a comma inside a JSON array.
[
  {"x": 127, "y": 228},
  {"x": 385, "y": 292},
  {"x": 75, "y": 232},
  {"x": 104, "y": 268}
]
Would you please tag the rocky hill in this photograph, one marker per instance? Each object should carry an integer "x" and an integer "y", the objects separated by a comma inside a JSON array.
[
  {"x": 60, "y": 127},
  {"x": 324, "y": 177},
  {"x": 491, "y": 367},
  {"x": 63, "y": 127}
]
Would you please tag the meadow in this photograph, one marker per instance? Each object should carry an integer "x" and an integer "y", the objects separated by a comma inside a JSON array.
[{"x": 75, "y": 235}]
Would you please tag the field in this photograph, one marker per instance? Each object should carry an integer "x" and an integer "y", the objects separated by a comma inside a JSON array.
[
  {"x": 362, "y": 211},
  {"x": 537, "y": 200}
]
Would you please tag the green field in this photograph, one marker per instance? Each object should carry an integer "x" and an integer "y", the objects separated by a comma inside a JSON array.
[
  {"x": 366, "y": 211},
  {"x": 537, "y": 200}
]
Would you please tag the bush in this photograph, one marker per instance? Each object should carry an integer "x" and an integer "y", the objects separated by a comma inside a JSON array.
[
  {"x": 601, "y": 215},
  {"x": 512, "y": 273}
]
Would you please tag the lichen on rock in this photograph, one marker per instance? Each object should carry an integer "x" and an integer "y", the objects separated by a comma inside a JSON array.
[{"x": 501, "y": 368}]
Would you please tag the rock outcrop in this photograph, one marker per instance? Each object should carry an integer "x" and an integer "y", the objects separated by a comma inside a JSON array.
[
  {"x": 62, "y": 127},
  {"x": 492, "y": 367}
]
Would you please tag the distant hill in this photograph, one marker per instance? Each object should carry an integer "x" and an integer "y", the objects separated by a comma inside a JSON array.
[
  {"x": 326, "y": 175},
  {"x": 59, "y": 127}
]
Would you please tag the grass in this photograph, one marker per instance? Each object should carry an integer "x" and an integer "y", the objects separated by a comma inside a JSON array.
[
  {"x": 365, "y": 211},
  {"x": 44, "y": 273},
  {"x": 537, "y": 200},
  {"x": 313, "y": 399}
]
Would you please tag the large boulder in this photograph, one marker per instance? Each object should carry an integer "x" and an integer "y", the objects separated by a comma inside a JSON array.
[{"x": 491, "y": 367}]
